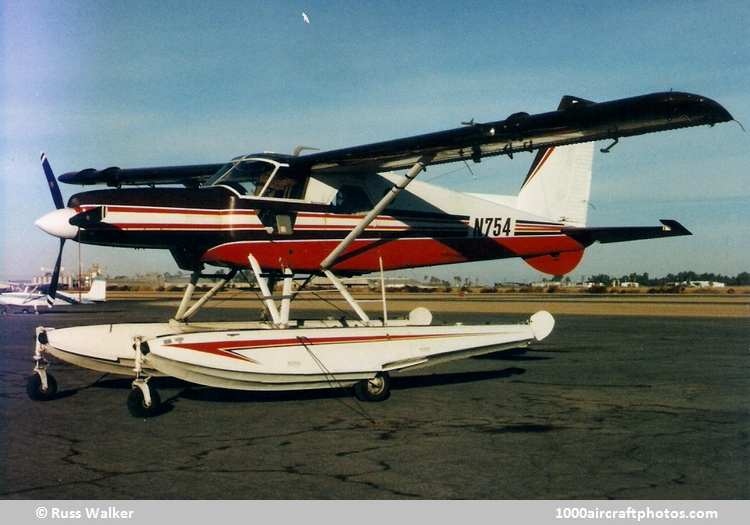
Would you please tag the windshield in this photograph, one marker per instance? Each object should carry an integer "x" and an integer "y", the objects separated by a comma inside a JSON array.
[
  {"x": 246, "y": 177},
  {"x": 260, "y": 178}
]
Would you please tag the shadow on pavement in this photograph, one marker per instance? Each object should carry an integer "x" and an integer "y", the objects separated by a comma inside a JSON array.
[{"x": 200, "y": 393}]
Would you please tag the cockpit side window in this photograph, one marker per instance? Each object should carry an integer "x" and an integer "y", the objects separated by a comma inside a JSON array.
[{"x": 284, "y": 185}]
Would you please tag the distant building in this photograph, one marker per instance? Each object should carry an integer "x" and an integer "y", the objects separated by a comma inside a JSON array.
[
  {"x": 70, "y": 279},
  {"x": 64, "y": 281},
  {"x": 321, "y": 282},
  {"x": 703, "y": 284},
  {"x": 616, "y": 283},
  {"x": 373, "y": 283}
]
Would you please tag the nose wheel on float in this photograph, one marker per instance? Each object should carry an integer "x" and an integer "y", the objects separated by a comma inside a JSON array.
[
  {"x": 41, "y": 385},
  {"x": 143, "y": 400}
]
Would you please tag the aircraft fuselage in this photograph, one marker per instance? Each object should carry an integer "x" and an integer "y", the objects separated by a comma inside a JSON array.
[{"x": 216, "y": 226}]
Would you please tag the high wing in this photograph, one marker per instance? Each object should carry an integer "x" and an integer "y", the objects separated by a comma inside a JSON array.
[
  {"x": 576, "y": 120},
  {"x": 191, "y": 176}
]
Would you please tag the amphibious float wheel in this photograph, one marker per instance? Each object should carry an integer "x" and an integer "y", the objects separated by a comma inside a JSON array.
[
  {"x": 376, "y": 389},
  {"x": 37, "y": 392},
  {"x": 137, "y": 403}
]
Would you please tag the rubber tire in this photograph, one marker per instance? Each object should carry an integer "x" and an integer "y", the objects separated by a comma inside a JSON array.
[
  {"x": 34, "y": 388},
  {"x": 374, "y": 390},
  {"x": 137, "y": 407}
]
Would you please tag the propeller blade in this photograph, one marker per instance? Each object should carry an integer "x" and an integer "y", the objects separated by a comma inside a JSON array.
[
  {"x": 53, "y": 187},
  {"x": 52, "y": 292}
]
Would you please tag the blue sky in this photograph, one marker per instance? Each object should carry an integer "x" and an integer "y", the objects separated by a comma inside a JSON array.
[{"x": 132, "y": 84}]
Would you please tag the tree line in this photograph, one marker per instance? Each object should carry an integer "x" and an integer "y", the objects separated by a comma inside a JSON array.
[{"x": 644, "y": 279}]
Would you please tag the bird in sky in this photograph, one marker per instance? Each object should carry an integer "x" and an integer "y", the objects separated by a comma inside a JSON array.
[{"x": 305, "y": 17}]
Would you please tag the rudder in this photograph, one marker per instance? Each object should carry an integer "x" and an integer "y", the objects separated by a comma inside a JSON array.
[{"x": 558, "y": 184}]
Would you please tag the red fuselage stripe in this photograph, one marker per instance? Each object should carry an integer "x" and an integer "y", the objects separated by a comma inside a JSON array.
[{"x": 228, "y": 348}]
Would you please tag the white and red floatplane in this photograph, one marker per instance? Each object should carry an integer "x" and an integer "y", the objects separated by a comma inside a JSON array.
[{"x": 342, "y": 212}]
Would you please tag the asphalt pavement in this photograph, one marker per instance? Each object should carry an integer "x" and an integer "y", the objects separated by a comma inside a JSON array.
[{"x": 606, "y": 407}]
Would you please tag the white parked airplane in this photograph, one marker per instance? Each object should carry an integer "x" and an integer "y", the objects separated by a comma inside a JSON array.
[{"x": 36, "y": 297}]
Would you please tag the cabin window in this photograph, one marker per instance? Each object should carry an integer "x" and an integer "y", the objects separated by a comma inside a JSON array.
[{"x": 351, "y": 199}]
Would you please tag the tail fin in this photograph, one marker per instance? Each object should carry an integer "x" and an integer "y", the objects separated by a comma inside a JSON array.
[
  {"x": 98, "y": 291},
  {"x": 558, "y": 184}
]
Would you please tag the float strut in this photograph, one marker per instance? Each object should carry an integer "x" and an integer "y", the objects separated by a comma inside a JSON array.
[
  {"x": 216, "y": 288},
  {"x": 189, "y": 289},
  {"x": 349, "y": 299},
  {"x": 264, "y": 290},
  {"x": 286, "y": 298}
]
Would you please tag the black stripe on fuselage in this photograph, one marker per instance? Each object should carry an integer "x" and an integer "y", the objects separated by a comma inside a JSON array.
[
  {"x": 220, "y": 198},
  {"x": 214, "y": 199},
  {"x": 537, "y": 223}
]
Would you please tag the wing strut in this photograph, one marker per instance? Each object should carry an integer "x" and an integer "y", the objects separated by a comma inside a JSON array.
[{"x": 382, "y": 204}]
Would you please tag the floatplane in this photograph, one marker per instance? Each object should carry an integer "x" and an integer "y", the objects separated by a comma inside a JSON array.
[
  {"x": 287, "y": 217},
  {"x": 31, "y": 298}
]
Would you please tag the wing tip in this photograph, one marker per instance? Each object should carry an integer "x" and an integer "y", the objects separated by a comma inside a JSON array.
[
  {"x": 570, "y": 101},
  {"x": 674, "y": 227}
]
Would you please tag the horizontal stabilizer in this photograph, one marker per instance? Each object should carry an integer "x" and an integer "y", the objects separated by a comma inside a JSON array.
[
  {"x": 62, "y": 297},
  {"x": 588, "y": 236}
]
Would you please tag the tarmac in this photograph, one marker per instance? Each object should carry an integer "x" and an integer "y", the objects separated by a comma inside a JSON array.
[{"x": 630, "y": 407}]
